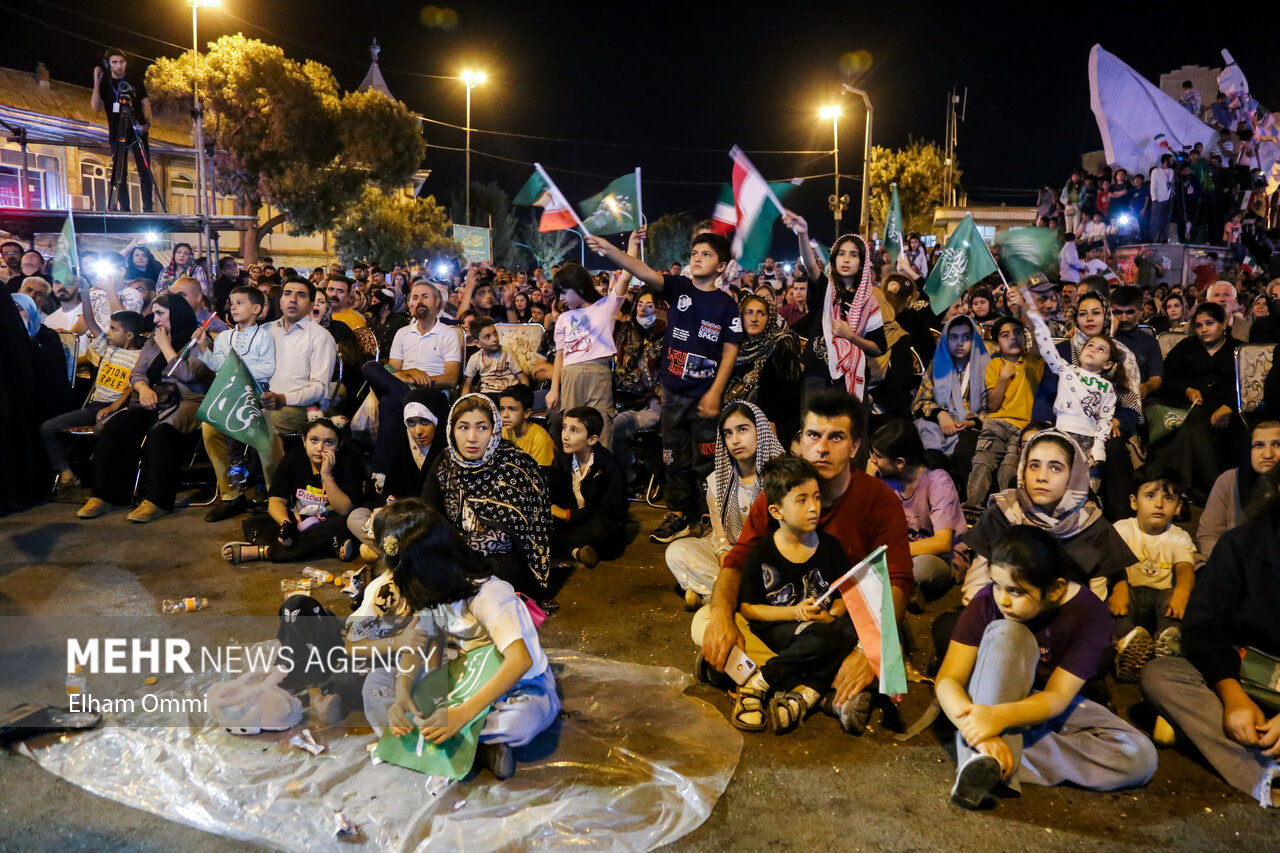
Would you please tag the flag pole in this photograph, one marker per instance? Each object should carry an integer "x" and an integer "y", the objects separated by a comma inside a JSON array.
[
  {"x": 639, "y": 210},
  {"x": 849, "y": 574},
  {"x": 736, "y": 154},
  {"x": 572, "y": 211}
]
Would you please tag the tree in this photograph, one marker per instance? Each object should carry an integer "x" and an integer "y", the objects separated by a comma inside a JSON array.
[
  {"x": 920, "y": 172},
  {"x": 283, "y": 135},
  {"x": 668, "y": 241},
  {"x": 548, "y": 247},
  {"x": 491, "y": 208},
  {"x": 391, "y": 227}
]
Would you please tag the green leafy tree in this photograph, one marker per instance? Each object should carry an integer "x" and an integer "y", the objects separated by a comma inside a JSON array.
[
  {"x": 283, "y": 134},
  {"x": 920, "y": 173},
  {"x": 547, "y": 247},
  {"x": 668, "y": 241},
  {"x": 491, "y": 208},
  {"x": 391, "y": 227}
]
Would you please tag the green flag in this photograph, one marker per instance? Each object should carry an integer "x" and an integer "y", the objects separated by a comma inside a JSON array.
[
  {"x": 1028, "y": 250},
  {"x": 964, "y": 262},
  {"x": 232, "y": 408},
  {"x": 614, "y": 209},
  {"x": 65, "y": 258},
  {"x": 893, "y": 227},
  {"x": 1164, "y": 420}
]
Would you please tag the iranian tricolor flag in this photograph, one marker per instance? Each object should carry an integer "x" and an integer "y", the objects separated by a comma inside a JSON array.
[
  {"x": 755, "y": 209},
  {"x": 869, "y": 597},
  {"x": 541, "y": 191}
]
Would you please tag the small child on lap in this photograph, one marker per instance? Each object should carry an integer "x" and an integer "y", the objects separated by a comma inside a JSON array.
[{"x": 784, "y": 575}]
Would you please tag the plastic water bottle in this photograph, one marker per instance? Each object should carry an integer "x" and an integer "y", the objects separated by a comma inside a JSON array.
[
  {"x": 183, "y": 605},
  {"x": 298, "y": 584},
  {"x": 75, "y": 682},
  {"x": 319, "y": 575}
]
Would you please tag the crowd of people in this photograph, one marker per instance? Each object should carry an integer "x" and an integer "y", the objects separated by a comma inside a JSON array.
[{"x": 795, "y": 419}]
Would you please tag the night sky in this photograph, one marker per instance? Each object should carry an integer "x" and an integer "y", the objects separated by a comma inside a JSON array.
[{"x": 653, "y": 78}]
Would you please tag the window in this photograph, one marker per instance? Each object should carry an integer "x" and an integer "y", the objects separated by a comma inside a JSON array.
[
  {"x": 182, "y": 195},
  {"x": 94, "y": 181},
  {"x": 44, "y": 180}
]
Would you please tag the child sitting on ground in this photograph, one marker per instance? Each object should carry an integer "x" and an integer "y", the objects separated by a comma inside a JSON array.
[
  {"x": 515, "y": 404},
  {"x": 1154, "y": 597},
  {"x": 256, "y": 348},
  {"x": 453, "y": 593},
  {"x": 784, "y": 575},
  {"x": 1086, "y": 401},
  {"x": 1011, "y": 389},
  {"x": 496, "y": 365},
  {"x": 115, "y": 353},
  {"x": 1010, "y": 682},
  {"x": 588, "y": 493}
]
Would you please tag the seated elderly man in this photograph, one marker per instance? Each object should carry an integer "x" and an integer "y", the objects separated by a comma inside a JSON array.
[
  {"x": 305, "y": 358},
  {"x": 424, "y": 354},
  {"x": 1224, "y": 294}
]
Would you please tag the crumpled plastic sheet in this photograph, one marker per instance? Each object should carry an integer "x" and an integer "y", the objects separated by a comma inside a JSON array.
[{"x": 632, "y": 764}]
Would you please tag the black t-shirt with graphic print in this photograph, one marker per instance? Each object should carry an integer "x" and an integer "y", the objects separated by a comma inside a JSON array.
[{"x": 699, "y": 324}]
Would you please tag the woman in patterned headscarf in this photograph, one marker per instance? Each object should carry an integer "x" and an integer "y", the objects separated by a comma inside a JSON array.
[
  {"x": 744, "y": 442},
  {"x": 767, "y": 370},
  {"x": 843, "y": 326},
  {"x": 495, "y": 494}
]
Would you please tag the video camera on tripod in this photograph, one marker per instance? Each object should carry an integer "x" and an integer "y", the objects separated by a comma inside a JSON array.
[{"x": 124, "y": 107}]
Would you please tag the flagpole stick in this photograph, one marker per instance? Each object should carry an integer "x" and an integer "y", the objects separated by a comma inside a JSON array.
[
  {"x": 182, "y": 355},
  {"x": 847, "y": 575},
  {"x": 639, "y": 209}
]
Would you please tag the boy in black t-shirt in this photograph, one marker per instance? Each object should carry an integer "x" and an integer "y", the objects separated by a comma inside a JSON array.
[
  {"x": 704, "y": 330},
  {"x": 785, "y": 573}
]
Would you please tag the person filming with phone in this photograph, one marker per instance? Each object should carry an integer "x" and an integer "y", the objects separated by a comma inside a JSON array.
[{"x": 123, "y": 96}]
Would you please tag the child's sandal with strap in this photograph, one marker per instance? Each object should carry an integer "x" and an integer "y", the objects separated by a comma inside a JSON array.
[{"x": 749, "y": 710}]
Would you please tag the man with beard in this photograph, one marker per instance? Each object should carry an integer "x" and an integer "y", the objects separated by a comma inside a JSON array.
[
  {"x": 69, "y": 315},
  {"x": 11, "y": 269},
  {"x": 424, "y": 354},
  {"x": 305, "y": 358}
]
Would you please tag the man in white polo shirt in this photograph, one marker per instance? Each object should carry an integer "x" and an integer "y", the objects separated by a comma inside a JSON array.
[
  {"x": 305, "y": 358},
  {"x": 424, "y": 354}
]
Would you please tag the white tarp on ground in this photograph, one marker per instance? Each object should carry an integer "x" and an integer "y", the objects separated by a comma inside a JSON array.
[
  {"x": 1138, "y": 122},
  {"x": 633, "y": 764}
]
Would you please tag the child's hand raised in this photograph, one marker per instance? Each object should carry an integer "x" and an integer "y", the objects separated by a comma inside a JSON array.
[
  {"x": 795, "y": 222},
  {"x": 595, "y": 244}
]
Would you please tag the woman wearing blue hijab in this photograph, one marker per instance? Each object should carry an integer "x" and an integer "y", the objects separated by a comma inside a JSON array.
[{"x": 952, "y": 399}]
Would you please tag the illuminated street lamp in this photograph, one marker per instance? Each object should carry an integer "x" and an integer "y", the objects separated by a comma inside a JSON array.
[
  {"x": 470, "y": 79},
  {"x": 838, "y": 202}
]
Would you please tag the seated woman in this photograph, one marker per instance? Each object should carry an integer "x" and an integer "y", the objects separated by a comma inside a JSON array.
[
  {"x": 167, "y": 392},
  {"x": 1201, "y": 371},
  {"x": 495, "y": 494},
  {"x": 1023, "y": 649},
  {"x": 424, "y": 410},
  {"x": 314, "y": 489},
  {"x": 767, "y": 369},
  {"x": 952, "y": 399},
  {"x": 1053, "y": 495},
  {"x": 930, "y": 500},
  {"x": 1216, "y": 695},
  {"x": 1224, "y": 510},
  {"x": 744, "y": 442},
  {"x": 459, "y": 601}
]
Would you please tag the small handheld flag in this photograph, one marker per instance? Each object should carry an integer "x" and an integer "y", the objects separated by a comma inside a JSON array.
[
  {"x": 869, "y": 596},
  {"x": 232, "y": 405},
  {"x": 893, "y": 241},
  {"x": 964, "y": 262},
  {"x": 557, "y": 213},
  {"x": 616, "y": 208}
]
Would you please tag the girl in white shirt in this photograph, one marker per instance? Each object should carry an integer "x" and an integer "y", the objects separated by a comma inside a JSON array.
[{"x": 459, "y": 608}]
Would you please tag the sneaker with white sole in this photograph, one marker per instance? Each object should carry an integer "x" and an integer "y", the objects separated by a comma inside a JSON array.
[
  {"x": 674, "y": 526},
  {"x": 1132, "y": 652},
  {"x": 975, "y": 780},
  {"x": 1169, "y": 642}
]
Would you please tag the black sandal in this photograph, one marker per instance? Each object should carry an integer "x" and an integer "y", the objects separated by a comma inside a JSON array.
[
  {"x": 787, "y": 710},
  {"x": 748, "y": 700}
]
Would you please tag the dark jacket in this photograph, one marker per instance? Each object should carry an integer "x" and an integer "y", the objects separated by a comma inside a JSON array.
[
  {"x": 1235, "y": 601},
  {"x": 604, "y": 491}
]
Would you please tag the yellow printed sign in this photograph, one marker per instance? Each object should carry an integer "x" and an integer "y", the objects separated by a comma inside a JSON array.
[{"x": 113, "y": 377}]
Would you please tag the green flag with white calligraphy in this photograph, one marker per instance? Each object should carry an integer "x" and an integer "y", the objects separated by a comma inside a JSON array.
[
  {"x": 232, "y": 405},
  {"x": 614, "y": 209},
  {"x": 964, "y": 262},
  {"x": 893, "y": 241}
]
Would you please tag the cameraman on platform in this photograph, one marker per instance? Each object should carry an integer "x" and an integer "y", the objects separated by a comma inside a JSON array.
[{"x": 113, "y": 94}]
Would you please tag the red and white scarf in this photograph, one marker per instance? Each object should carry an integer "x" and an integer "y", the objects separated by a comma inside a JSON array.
[{"x": 843, "y": 358}]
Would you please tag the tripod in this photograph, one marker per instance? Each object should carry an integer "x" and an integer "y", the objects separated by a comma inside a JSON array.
[{"x": 120, "y": 158}]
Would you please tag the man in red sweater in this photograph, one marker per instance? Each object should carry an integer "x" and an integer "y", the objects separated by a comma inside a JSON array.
[{"x": 859, "y": 510}]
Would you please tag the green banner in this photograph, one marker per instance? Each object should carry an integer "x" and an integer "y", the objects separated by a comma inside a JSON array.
[
  {"x": 232, "y": 405},
  {"x": 614, "y": 209},
  {"x": 964, "y": 262},
  {"x": 476, "y": 243},
  {"x": 893, "y": 240}
]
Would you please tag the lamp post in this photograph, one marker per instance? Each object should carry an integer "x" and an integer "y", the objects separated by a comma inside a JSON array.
[
  {"x": 838, "y": 202},
  {"x": 866, "y": 162},
  {"x": 470, "y": 79},
  {"x": 197, "y": 113}
]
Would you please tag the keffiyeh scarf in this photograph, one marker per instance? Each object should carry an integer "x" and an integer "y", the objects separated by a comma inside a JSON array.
[
  {"x": 767, "y": 447},
  {"x": 863, "y": 315}
]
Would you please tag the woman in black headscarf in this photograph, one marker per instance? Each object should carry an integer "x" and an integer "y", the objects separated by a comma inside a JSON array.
[
  {"x": 166, "y": 391},
  {"x": 24, "y": 468}
]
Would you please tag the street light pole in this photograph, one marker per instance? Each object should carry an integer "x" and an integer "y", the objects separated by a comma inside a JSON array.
[
  {"x": 866, "y": 162},
  {"x": 470, "y": 79},
  {"x": 837, "y": 201}
]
